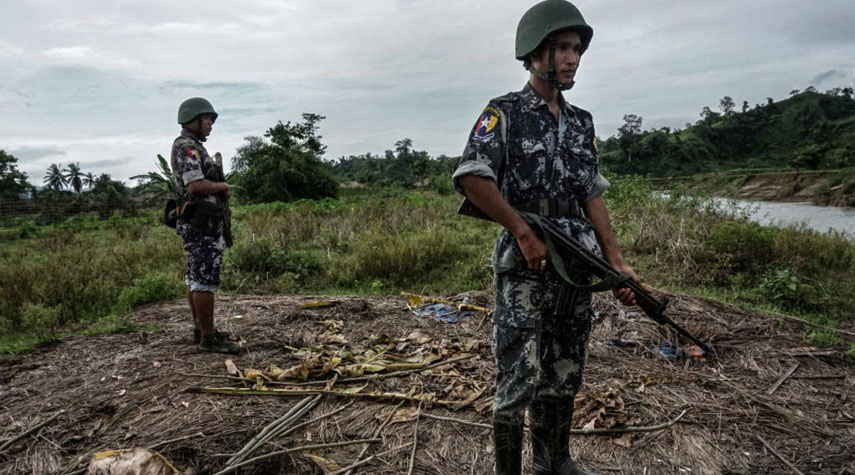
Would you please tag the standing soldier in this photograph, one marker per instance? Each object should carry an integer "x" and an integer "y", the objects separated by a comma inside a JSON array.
[
  {"x": 533, "y": 151},
  {"x": 202, "y": 191}
]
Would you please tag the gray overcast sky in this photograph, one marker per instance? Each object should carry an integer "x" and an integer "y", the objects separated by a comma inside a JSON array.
[{"x": 99, "y": 82}]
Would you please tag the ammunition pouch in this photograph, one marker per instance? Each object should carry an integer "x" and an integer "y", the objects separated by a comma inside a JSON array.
[{"x": 207, "y": 218}]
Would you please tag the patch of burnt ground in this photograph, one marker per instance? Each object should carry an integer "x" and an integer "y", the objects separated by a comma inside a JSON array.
[{"x": 742, "y": 415}]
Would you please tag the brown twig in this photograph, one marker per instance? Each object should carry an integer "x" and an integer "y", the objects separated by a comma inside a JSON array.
[
  {"x": 783, "y": 378},
  {"x": 376, "y": 434},
  {"x": 296, "y": 449},
  {"x": 304, "y": 392},
  {"x": 781, "y": 457},
  {"x": 270, "y": 430},
  {"x": 29, "y": 431},
  {"x": 415, "y": 441},
  {"x": 623, "y": 430},
  {"x": 364, "y": 461},
  {"x": 177, "y": 439}
]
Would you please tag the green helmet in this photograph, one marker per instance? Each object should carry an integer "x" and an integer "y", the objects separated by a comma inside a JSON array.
[
  {"x": 194, "y": 107},
  {"x": 546, "y": 18}
]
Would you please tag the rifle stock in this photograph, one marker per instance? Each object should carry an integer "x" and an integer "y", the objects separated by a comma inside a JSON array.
[{"x": 650, "y": 305}]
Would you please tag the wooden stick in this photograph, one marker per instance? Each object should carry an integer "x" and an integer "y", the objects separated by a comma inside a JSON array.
[
  {"x": 415, "y": 441},
  {"x": 269, "y": 429},
  {"x": 178, "y": 439},
  {"x": 29, "y": 431},
  {"x": 296, "y": 449},
  {"x": 623, "y": 430},
  {"x": 363, "y": 462},
  {"x": 324, "y": 416},
  {"x": 783, "y": 378},
  {"x": 322, "y": 382},
  {"x": 776, "y": 454},
  {"x": 376, "y": 435},
  {"x": 303, "y": 392}
]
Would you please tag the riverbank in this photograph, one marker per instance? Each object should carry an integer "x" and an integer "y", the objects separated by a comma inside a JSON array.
[{"x": 819, "y": 187}]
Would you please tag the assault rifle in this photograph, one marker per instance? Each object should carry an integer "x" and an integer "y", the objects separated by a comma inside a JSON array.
[
  {"x": 227, "y": 210},
  {"x": 561, "y": 244}
]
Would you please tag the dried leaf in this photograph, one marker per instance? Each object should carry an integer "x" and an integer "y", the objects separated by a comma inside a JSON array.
[
  {"x": 328, "y": 338},
  {"x": 624, "y": 440},
  {"x": 317, "y": 304},
  {"x": 327, "y": 465},
  {"x": 355, "y": 390}
]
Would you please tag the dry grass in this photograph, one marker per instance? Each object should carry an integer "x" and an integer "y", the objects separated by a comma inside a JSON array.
[{"x": 124, "y": 391}]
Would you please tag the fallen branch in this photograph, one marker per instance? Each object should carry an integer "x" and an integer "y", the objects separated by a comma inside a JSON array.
[
  {"x": 302, "y": 448},
  {"x": 806, "y": 322},
  {"x": 363, "y": 462},
  {"x": 781, "y": 457},
  {"x": 271, "y": 429},
  {"x": 29, "y": 431},
  {"x": 623, "y": 430},
  {"x": 305, "y": 392},
  {"x": 324, "y": 381},
  {"x": 783, "y": 378},
  {"x": 375, "y": 435},
  {"x": 415, "y": 441}
]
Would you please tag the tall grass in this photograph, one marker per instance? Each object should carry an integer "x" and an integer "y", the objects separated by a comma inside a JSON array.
[{"x": 380, "y": 241}]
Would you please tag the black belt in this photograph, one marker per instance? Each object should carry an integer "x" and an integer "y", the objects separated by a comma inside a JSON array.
[{"x": 550, "y": 208}]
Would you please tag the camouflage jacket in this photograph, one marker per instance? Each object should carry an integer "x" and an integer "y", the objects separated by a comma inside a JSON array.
[
  {"x": 191, "y": 162},
  {"x": 519, "y": 144}
]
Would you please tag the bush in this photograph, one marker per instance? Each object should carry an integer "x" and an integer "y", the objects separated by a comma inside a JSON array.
[
  {"x": 148, "y": 289},
  {"x": 263, "y": 256},
  {"x": 41, "y": 320},
  {"x": 740, "y": 247}
]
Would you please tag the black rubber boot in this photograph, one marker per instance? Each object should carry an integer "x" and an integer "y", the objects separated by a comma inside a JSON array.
[
  {"x": 507, "y": 444},
  {"x": 550, "y": 438},
  {"x": 544, "y": 435}
]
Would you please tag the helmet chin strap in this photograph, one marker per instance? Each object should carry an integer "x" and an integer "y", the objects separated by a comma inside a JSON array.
[{"x": 550, "y": 76}]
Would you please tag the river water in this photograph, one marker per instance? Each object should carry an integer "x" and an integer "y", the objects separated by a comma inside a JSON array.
[{"x": 820, "y": 218}]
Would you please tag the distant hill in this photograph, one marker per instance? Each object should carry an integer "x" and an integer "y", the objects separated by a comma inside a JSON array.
[{"x": 809, "y": 130}]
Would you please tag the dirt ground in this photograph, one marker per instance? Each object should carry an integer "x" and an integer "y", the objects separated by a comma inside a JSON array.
[{"x": 742, "y": 414}]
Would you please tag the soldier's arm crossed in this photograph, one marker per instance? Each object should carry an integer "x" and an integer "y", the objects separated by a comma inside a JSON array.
[{"x": 207, "y": 187}]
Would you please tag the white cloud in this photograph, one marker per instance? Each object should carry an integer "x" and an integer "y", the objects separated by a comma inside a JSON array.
[
  {"x": 87, "y": 56},
  {"x": 9, "y": 50}
]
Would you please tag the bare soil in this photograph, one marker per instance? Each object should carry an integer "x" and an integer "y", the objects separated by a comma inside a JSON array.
[{"x": 128, "y": 390}]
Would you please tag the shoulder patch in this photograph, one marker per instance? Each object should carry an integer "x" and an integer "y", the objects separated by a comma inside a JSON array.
[
  {"x": 486, "y": 123},
  {"x": 192, "y": 153}
]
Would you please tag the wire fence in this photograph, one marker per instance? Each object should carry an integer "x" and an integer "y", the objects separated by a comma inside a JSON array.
[{"x": 82, "y": 208}]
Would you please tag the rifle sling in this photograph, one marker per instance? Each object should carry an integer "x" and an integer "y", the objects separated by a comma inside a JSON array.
[{"x": 609, "y": 283}]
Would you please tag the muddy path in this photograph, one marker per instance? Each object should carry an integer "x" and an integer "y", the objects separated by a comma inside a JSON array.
[{"x": 129, "y": 390}]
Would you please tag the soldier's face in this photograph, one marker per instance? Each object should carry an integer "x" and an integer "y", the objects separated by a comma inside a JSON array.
[
  {"x": 202, "y": 126},
  {"x": 206, "y": 124},
  {"x": 568, "y": 52}
]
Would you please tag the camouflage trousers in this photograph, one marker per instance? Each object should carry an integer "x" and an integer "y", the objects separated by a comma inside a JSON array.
[
  {"x": 540, "y": 335},
  {"x": 204, "y": 258}
]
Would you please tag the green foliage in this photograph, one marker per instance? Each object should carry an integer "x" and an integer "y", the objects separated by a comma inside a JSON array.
[
  {"x": 807, "y": 130},
  {"x": 404, "y": 166},
  {"x": 733, "y": 247},
  {"x": 41, "y": 320},
  {"x": 783, "y": 287},
  {"x": 265, "y": 257},
  {"x": 13, "y": 182},
  {"x": 158, "y": 182},
  {"x": 287, "y": 168},
  {"x": 148, "y": 289}
]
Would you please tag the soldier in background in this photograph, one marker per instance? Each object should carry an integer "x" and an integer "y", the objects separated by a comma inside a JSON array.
[
  {"x": 533, "y": 151},
  {"x": 202, "y": 191}
]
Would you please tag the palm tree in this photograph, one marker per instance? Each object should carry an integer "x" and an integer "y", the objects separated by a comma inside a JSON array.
[
  {"x": 73, "y": 176},
  {"x": 54, "y": 178},
  {"x": 89, "y": 180},
  {"x": 158, "y": 183}
]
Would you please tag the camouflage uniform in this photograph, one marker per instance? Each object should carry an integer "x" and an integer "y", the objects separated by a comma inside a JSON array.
[
  {"x": 191, "y": 162},
  {"x": 541, "y": 324}
]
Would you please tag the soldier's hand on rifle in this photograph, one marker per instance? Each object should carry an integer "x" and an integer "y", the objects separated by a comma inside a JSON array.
[
  {"x": 626, "y": 296},
  {"x": 227, "y": 190},
  {"x": 533, "y": 249}
]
